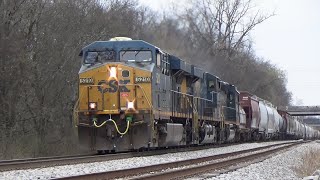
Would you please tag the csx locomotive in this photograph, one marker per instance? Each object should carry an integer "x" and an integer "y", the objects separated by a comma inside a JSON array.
[{"x": 133, "y": 95}]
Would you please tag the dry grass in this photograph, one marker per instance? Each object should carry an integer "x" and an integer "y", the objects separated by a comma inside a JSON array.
[{"x": 310, "y": 162}]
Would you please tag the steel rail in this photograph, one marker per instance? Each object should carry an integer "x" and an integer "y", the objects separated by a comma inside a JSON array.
[
  {"x": 125, "y": 173},
  {"x": 58, "y": 161},
  {"x": 191, "y": 171},
  {"x": 29, "y": 163}
]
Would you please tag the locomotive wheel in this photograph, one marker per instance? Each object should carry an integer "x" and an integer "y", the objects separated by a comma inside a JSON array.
[{"x": 100, "y": 152}]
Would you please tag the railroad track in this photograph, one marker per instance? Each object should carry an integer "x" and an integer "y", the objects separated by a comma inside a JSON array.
[
  {"x": 30, "y": 163},
  {"x": 57, "y": 161},
  {"x": 191, "y": 167}
]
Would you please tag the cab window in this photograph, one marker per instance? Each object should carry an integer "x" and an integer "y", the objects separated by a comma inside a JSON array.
[
  {"x": 165, "y": 65},
  {"x": 99, "y": 57},
  {"x": 106, "y": 56},
  {"x": 135, "y": 56},
  {"x": 158, "y": 60},
  {"x": 91, "y": 58},
  {"x": 211, "y": 86}
]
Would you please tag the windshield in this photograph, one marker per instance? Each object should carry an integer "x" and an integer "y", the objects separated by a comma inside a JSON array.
[
  {"x": 103, "y": 56},
  {"x": 135, "y": 56}
]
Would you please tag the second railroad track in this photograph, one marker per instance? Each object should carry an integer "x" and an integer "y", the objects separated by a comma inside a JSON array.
[{"x": 190, "y": 167}]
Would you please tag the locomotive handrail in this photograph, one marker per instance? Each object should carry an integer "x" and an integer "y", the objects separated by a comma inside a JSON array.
[
  {"x": 93, "y": 85},
  {"x": 181, "y": 93},
  {"x": 238, "y": 113},
  {"x": 192, "y": 106},
  {"x": 192, "y": 95},
  {"x": 189, "y": 95},
  {"x": 75, "y": 113},
  {"x": 229, "y": 107},
  {"x": 195, "y": 100},
  {"x": 76, "y": 106},
  {"x": 144, "y": 93},
  {"x": 203, "y": 99}
]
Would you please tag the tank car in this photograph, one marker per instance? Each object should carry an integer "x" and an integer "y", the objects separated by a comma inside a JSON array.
[
  {"x": 281, "y": 134},
  {"x": 264, "y": 120},
  {"x": 271, "y": 121},
  {"x": 308, "y": 132}
]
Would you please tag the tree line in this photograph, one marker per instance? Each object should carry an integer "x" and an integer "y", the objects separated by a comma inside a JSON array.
[{"x": 40, "y": 41}]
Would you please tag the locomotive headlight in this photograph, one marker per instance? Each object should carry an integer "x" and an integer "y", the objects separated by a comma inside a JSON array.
[
  {"x": 92, "y": 105},
  {"x": 130, "y": 105},
  {"x": 113, "y": 72}
]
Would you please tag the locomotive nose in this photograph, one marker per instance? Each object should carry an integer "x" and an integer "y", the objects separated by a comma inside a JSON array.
[{"x": 113, "y": 88}]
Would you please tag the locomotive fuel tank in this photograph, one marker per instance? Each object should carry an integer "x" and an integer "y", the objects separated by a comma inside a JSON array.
[{"x": 172, "y": 135}]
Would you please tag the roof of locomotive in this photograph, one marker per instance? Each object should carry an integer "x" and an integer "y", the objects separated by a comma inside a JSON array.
[
  {"x": 119, "y": 45},
  {"x": 201, "y": 73},
  {"x": 125, "y": 44},
  {"x": 177, "y": 63}
]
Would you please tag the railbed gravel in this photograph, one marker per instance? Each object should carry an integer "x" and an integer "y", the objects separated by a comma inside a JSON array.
[
  {"x": 277, "y": 167},
  {"x": 209, "y": 162},
  {"x": 86, "y": 168}
]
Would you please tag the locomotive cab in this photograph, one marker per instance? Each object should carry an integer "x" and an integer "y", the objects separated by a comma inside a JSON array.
[{"x": 115, "y": 82}]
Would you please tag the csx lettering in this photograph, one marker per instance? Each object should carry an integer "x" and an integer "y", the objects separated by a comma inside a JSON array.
[
  {"x": 124, "y": 88},
  {"x": 112, "y": 86}
]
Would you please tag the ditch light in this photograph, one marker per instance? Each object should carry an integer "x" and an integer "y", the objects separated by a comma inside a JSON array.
[
  {"x": 130, "y": 105},
  {"x": 92, "y": 106},
  {"x": 113, "y": 72}
]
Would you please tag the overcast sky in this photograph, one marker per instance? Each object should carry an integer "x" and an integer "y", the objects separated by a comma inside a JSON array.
[{"x": 290, "y": 39}]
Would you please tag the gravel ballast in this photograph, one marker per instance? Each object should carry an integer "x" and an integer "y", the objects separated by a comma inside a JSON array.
[
  {"x": 280, "y": 166},
  {"x": 78, "y": 169}
]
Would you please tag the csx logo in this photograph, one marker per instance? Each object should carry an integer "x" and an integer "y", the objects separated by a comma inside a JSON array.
[{"x": 112, "y": 86}]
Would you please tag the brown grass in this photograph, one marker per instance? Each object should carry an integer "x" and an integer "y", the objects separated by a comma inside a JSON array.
[{"x": 310, "y": 163}]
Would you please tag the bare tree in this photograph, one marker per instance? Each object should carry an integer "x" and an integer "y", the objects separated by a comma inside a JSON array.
[
  {"x": 224, "y": 25},
  {"x": 39, "y": 44},
  {"x": 40, "y": 41}
]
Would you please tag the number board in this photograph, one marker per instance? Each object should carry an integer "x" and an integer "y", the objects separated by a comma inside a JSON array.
[
  {"x": 143, "y": 79},
  {"x": 86, "y": 81}
]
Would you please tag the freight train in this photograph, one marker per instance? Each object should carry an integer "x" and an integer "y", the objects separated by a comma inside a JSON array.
[{"x": 133, "y": 95}]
